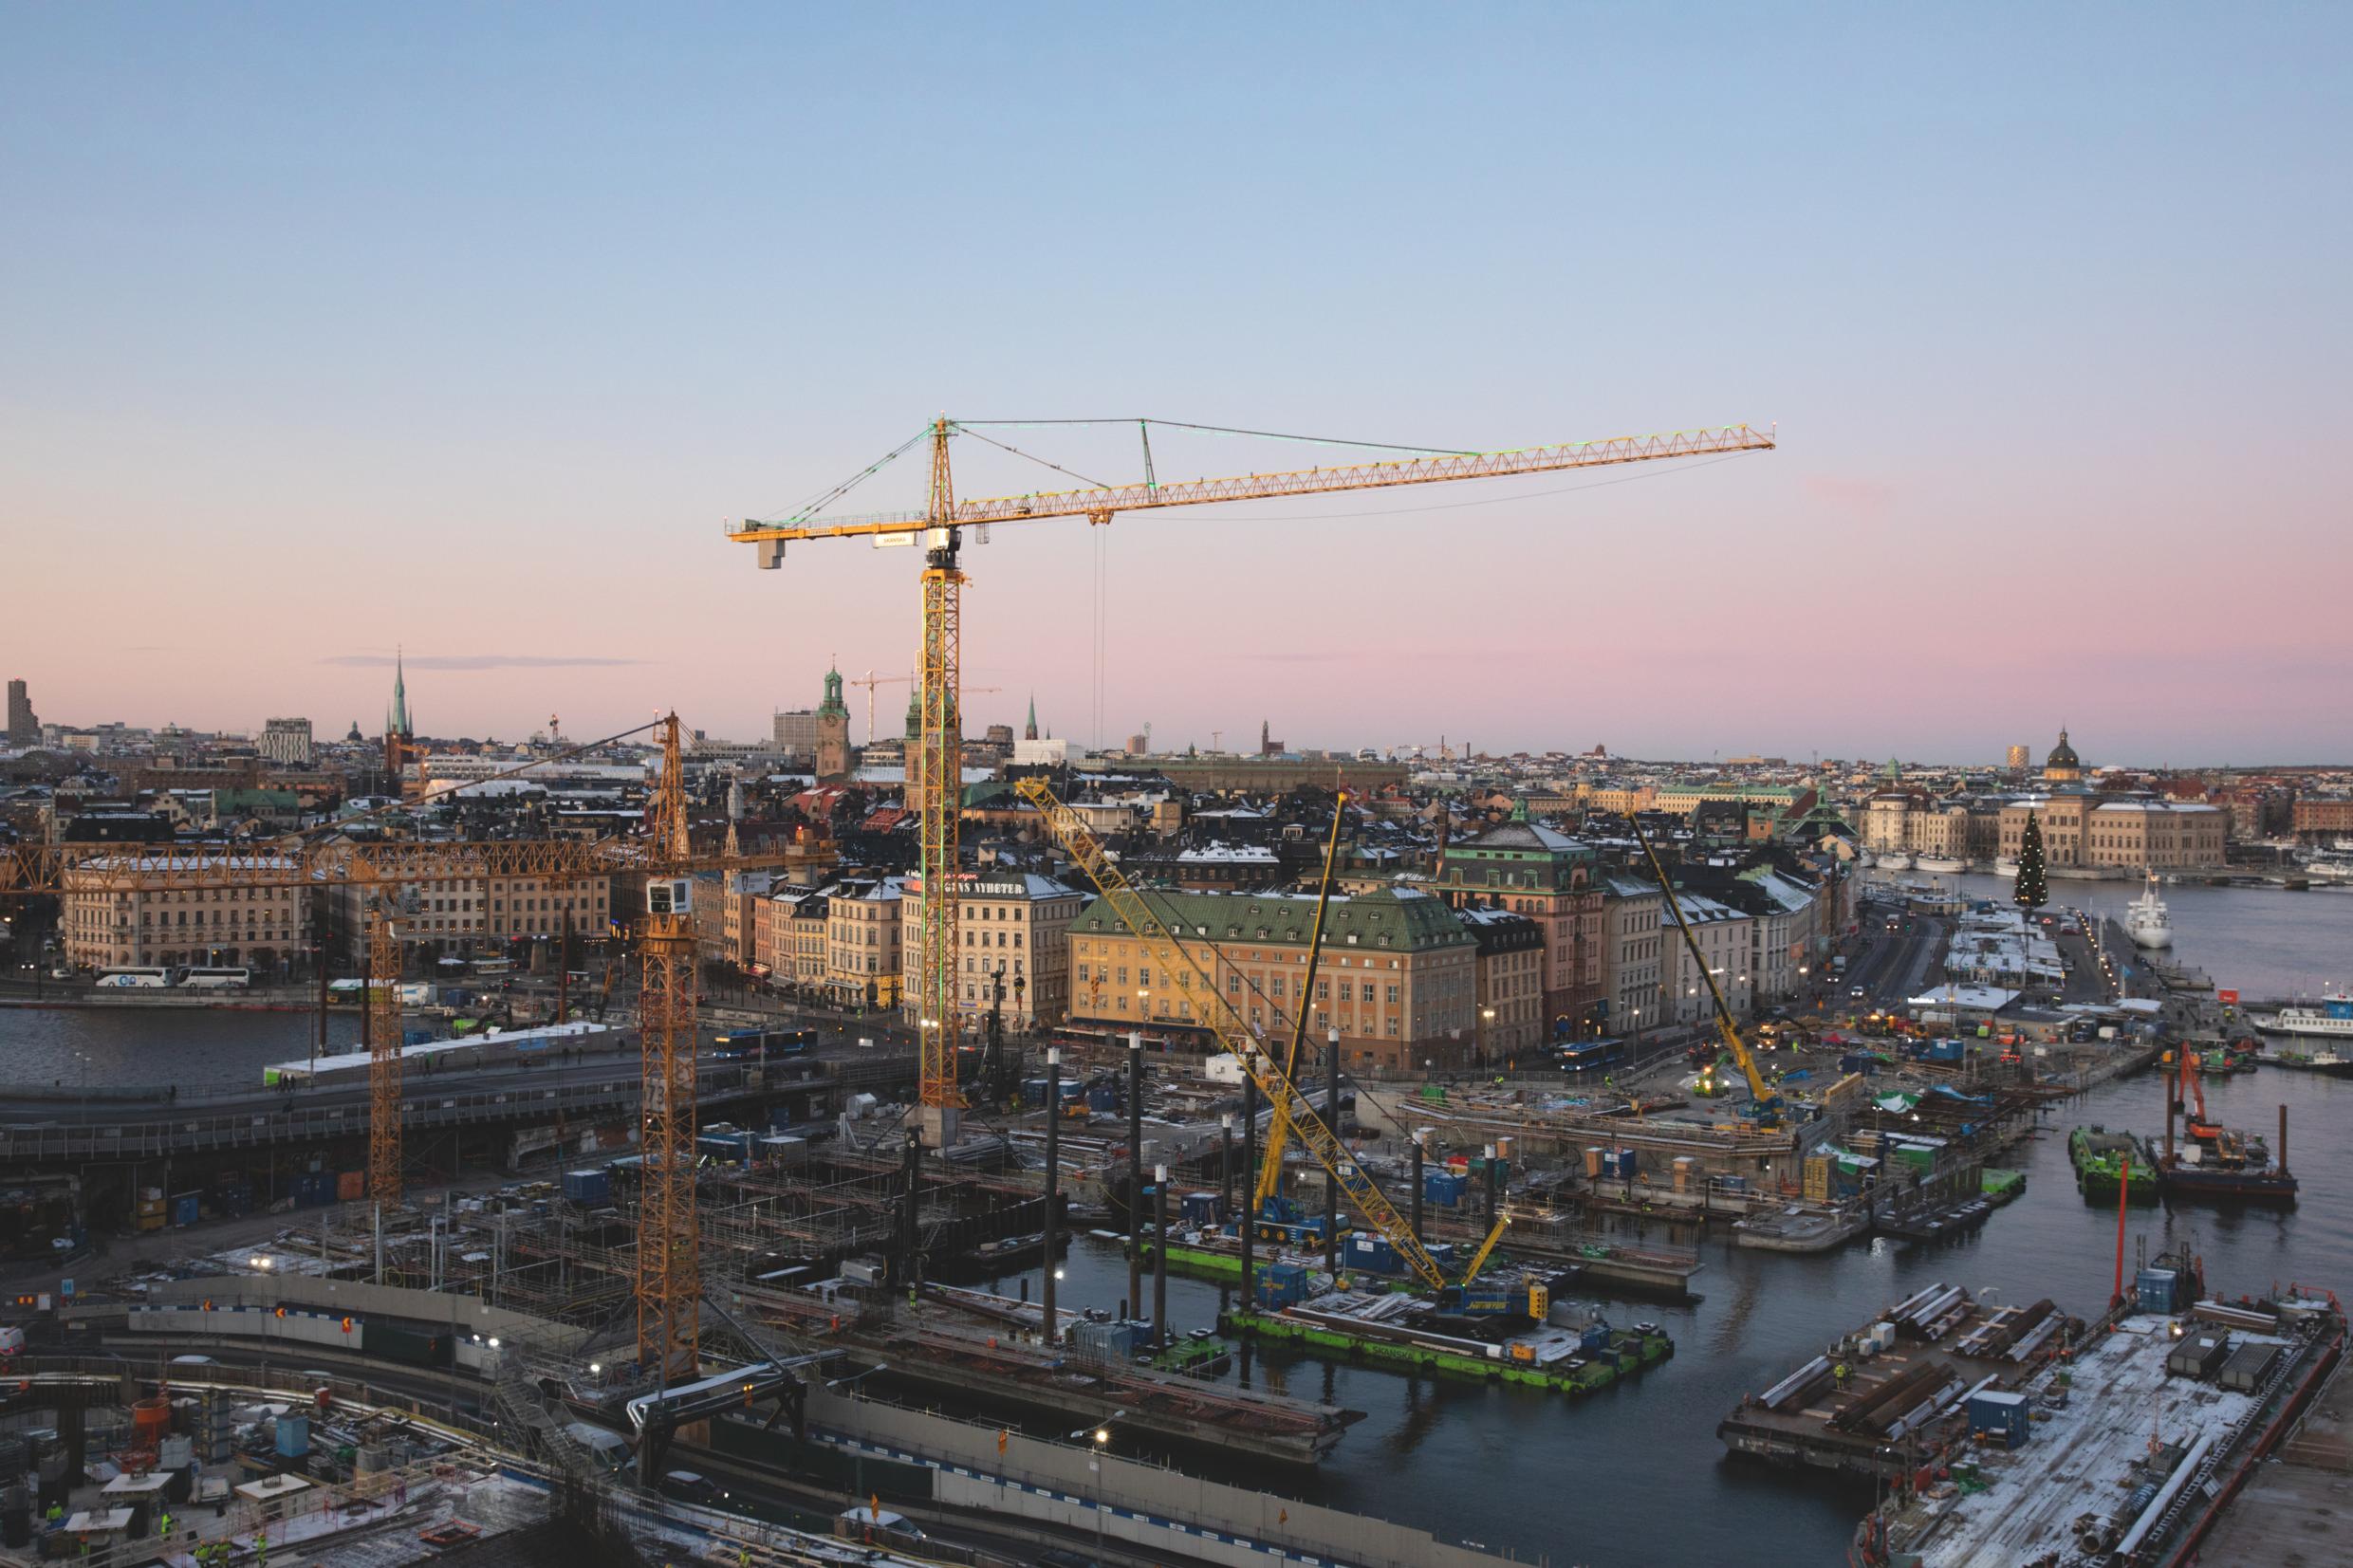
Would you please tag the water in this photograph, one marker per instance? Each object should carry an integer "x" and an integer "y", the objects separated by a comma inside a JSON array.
[
  {"x": 1635, "y": 1475},
  {"x": 206, "y": 1047},
  {"x": 2265, "y": 943}
]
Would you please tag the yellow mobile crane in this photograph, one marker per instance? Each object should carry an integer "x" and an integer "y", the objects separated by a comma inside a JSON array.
[
  {"x": 1765, "y": 1105},
  {"x": 1456, "y": 1295},
  {"x": 1268, "y": 1207}
]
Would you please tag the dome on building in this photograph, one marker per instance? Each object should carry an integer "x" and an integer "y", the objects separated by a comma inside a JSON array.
[{"x": 2062, "y": 755}]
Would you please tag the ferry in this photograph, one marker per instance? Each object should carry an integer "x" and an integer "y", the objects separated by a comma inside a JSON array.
[
  {"x": 2145, "y": 920},
  {"x": 2332, "y": 1019},
  {"x": 1944, "y": 863},
  {"x": 1894, "y": 859}
]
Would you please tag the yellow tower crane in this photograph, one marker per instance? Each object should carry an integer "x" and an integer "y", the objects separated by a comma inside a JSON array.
[{"x": 936, "y": 778}]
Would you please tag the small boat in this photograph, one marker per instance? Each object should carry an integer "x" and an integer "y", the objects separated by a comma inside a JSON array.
[
  {"x": 1895, "y": 859},
  {"x": 1944, "y": 863},
  {"x": 2331, "y": 1020},
  {"x": 2005, "y": 866},
  {"x": 2145, "y": 919},
  {"x": 2324, "y": 1061}
]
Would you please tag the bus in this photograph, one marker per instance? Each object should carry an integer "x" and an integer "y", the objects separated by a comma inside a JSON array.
[
  {"x": 755, "y": 1043},
  {"x": 492, "y": 966},
  {"x": 1577, "y": 1055},
  {"x": 144, "y": 979},
  {"x": 199, "y": 978}
]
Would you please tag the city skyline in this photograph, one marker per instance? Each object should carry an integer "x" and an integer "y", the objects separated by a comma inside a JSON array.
[{"x": 470, "y": 336}]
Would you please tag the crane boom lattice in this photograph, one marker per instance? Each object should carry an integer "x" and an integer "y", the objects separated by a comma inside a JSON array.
[{"x": 1136, "y": 912}]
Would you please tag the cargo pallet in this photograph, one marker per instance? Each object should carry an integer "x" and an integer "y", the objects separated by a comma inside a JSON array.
[{"x": 1628, "y": 1355}]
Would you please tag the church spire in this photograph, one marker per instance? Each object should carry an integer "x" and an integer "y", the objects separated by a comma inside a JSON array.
[
  {"x": 1031, "y": 733},
  {"x": 397, "y": 724}
]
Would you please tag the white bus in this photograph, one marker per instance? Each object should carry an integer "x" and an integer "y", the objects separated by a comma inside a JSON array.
[
  {"x": 140, "y": 979},
  {"x": 197, "y": 979},
  {"x": 492, "y": 966}
]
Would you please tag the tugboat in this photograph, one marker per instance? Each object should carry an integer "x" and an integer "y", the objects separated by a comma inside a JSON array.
[
  {"x": 2145, "y": 920},
  {"x": 2325, "y": 1060},
  {"x": 2214, "y": 1161}
]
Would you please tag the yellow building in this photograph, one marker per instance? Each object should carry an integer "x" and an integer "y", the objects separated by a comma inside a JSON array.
[
  {"x": 1397, "y": 976},
  {"x": 1016, "y": 924},
  {"x": 863, "y": 927}
]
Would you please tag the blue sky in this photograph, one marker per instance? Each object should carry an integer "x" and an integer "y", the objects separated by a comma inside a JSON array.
[{"x": 328, "y": 329}]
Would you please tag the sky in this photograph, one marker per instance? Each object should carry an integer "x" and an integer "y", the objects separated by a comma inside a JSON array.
[{"x": 328, "y": 331}]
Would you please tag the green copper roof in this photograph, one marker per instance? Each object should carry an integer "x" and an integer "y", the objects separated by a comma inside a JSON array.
[{"x": 1398, "y": 920}]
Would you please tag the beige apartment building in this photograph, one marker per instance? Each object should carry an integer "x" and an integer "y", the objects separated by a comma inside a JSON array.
[
  {"x": 1510, "y": 1023},
  {"x": 230, "y": 927},
  {"x": 1633, "y": 950},
  {"x": 1398, "y": 977},
  {"x": 455, "y": 916},
  {"x": 2130, "y": 832},
  {"x": 1016, "y": 923},
  {"x": 862, "y": 942}
]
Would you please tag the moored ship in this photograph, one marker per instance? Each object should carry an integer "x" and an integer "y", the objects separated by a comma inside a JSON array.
[
  {"x": 2331, "y": 1018},
  {"x": 2146, "y": 920}
]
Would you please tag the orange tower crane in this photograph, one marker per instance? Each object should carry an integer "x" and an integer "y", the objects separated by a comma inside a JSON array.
[
  {"x": 935, "y": 775},
  {"x": 669, "y": 1281}
]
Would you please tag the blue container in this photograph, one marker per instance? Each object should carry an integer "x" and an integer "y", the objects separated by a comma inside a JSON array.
[
  {"x": 2158, "y": 1289},
  {"x": 1033, "y": 1092},
  {"x": 1627, "y": 1159},
  {"x": 1198, "y": 1207},
  {"x": 293, "y": 1436},
  {"x": 187, "y": 1209},
  {"x": 1596, "y": 1336},
  {"x": 589, "y": 1189},
  {"x": 416, "y": 1037},
  {"x": 1442, "y": 1189},
  {"x": 1283, "y": 1284},
  {"x": 1104, "y": 1096},
  {"x": 1372, "y": 1254},
  {"x": 1998, "y": 1418}
]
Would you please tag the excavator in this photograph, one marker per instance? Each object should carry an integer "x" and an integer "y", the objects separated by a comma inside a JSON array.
[
  {"x": 1459, "y": 1296},
  {"x": 1764, "y": 1110}
]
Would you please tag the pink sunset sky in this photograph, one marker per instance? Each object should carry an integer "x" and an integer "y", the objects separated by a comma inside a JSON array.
[{"x": 332, "y": 332}]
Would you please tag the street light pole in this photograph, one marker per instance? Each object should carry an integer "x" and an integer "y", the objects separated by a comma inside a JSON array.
[{"x": 1053, "y": 1188}]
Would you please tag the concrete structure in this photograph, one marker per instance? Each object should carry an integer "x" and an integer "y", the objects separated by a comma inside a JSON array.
[
  {"x": 1536, "y": 871},
  {"x": 258, "y": 928},
  {"x": 287, "y": 742},
  {"x": 23, "y": 725},
  {"x": 1016, "y": 922},
  {"x": 796, "y": 732}
]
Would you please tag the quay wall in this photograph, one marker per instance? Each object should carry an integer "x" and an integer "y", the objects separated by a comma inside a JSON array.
[{"x": 1142, "y": 1504}]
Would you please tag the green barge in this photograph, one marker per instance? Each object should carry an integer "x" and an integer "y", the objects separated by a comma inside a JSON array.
[
  {"x": 2100, "y": 1155},
  {"x": 1627, "y": 1353}
]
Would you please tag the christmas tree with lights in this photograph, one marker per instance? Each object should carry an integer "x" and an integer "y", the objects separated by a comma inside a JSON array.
[{"x": 2030, "y": 892}]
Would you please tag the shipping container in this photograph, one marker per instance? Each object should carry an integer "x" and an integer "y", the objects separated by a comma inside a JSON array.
[
  {"x": 351, "y": 1186},
  {"x": 1998, "y": 1417},
  {"x": 2247, "y": 1367},
  {"x": 2157, "y": 1290},
  {"x": 2200, "y": 1354},
  {"x": 187, "y": 1209},
  {"x": 293, "y": 1436},
  {"x": 1442, "y": 1189},
  {"x": 589, "y": 1189}
]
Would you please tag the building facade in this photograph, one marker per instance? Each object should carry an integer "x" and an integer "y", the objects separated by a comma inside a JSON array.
[
  {"x": 23, "y": 724},
  {"x": 1397, "y": 976},
  {"x": 493, "y": 916},
  {"x": 1015, "y": 925},
  {"x": 286, "y": 742},
  {"x": 834, "y": 758},
  {"x": 1726, "y": 937},
  {"x": 863, "y": 927},
  {"x": 263, "y": 928},
  {"x": 2128, "y": 833},
  {"x": 1634, "y": 942},
  {"x": 1509, "y": 1022},
  {"x": 1529, "y": 868}
]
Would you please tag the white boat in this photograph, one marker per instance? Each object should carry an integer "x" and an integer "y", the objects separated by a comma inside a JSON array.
[
  {"x": 2005, "y": 866},
  {"x": 1940, "y": 862},
  {"x": 2145, "y": 920},
  {"x": 1895, "y": 859},
  {"x": 2331, "y": 1019}
]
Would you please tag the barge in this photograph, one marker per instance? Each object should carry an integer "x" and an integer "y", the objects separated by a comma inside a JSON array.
[{"x": 1572, "y": 1351}]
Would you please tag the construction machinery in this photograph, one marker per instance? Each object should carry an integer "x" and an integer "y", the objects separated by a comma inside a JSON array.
[
  {"x": 1765, "y": 1108},
  {"x": 935, "y": 778},
  {"x": 1275, "y": 1216},
  {"x": 1458, "y": 1296},
  {"x": 669, "y": 1280}
]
